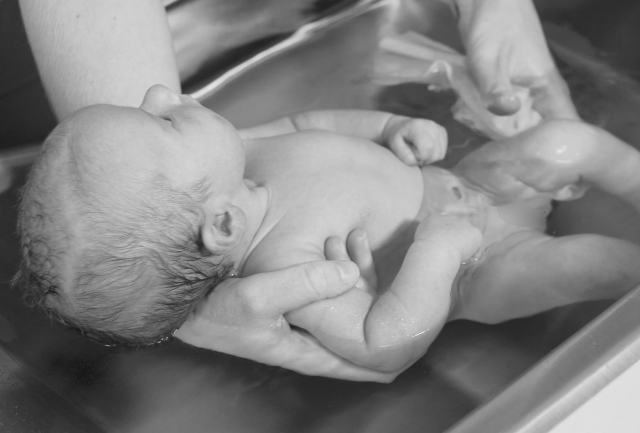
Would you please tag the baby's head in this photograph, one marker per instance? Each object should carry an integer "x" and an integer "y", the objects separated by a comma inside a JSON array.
[{"x": 129, "y": 216}]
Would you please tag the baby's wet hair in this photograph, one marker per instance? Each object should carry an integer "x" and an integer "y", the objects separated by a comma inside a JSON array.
[{"x": 127, "y": 268}]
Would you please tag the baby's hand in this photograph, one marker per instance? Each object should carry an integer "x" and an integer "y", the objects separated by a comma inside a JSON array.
[
  {"x": 415, "y": 141},
  {"x": 452, "y": 230}
]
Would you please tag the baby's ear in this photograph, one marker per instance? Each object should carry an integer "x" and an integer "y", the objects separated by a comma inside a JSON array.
[{"x": 223, "y": 230}]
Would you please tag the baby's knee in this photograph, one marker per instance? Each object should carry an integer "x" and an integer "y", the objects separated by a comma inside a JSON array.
[{"x": 566, "y": 142}]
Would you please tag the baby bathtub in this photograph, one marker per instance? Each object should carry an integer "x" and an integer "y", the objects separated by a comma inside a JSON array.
[{"x": 523, "y": 375}]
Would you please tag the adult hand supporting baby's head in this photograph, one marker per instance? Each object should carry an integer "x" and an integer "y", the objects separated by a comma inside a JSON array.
[
  {"x": 506, "y": 46},
  {"x": 245, "y": 317}
]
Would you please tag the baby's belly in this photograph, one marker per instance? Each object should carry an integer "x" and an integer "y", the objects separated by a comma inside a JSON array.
[{"x": 444, "y": 192}]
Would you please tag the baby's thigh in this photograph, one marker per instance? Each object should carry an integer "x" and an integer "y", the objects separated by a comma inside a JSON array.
[
  {"x": 500, "y": 259},
  {"x": 493, "y": 288},
  {"x": 530, "y": 272}
]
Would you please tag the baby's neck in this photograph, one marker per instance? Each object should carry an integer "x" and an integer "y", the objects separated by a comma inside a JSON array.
[{"x": 256, "y": 205}]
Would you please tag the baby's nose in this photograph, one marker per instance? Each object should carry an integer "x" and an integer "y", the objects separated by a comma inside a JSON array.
[{"x": 158, "y": 98}]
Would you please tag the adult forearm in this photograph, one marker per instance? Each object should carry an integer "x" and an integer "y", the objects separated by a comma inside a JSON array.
[
  {"x": 100, "y": 51},
  {"x": 467, "y": 11},
  {"x": 398, "y": 328}
]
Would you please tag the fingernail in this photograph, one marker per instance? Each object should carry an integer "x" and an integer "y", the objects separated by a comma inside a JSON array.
[
  {"x": 504, "y": 104},
  {"x": 365, "y": 238},
  {"x": 349, "y": 272},
  {"x": 500, "y": 89},
  {"x": 507, "y": 98}
]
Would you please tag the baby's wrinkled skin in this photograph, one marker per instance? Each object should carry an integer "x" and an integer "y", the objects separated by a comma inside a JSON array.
[{"x": 278, "y": 191}]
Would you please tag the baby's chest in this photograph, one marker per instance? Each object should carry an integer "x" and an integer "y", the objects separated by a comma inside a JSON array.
[
  {"x": 328, "y": 185},
  {"x": 316, "y": 195},
  {"x": 315, "y": 209},
  {"x": 302, "y": 238}
]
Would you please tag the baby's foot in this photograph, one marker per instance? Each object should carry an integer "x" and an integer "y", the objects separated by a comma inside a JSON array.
[{"x": 545, "y": 162}]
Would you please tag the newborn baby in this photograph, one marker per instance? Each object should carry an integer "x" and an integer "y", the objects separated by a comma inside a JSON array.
[{"x": 131, "y": 216}]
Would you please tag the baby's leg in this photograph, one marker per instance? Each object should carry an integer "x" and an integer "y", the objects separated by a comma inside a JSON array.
[
  {"x": 530, "y": 272},
  {"x": 553, "y": 160}
]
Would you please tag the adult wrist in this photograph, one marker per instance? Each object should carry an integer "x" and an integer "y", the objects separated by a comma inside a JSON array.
[{"x": 466, "y": 10}]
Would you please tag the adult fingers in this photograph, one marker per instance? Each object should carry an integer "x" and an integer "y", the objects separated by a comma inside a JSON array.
[
  {"x": 272, "y": 294},
  {"x": 494, "y": 82},
  {"x": 335, "y": 249},
  {"x": 360, "y": 252},
  {"x": 502, "y": 103},
  {"x": 553, "y": 101},
  {"x": 304, "y": 354},
  {"x": 293, "y": 350}
]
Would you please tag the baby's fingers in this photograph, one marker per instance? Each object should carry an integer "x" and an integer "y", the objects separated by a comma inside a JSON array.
[
  {"x": 425, "y": 140},
  {"x": 430, "y": 141},
  {"x": 403, "y": 150}
]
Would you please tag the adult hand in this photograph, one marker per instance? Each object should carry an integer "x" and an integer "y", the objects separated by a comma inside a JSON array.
[
  {"x": 244, "y": 317},
  {"x": 506, "y": 46}
]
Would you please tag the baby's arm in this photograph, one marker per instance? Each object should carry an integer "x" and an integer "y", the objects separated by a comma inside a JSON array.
[
  {"x": 392, "y": 332},
  {"x": 414, "y": 141}
]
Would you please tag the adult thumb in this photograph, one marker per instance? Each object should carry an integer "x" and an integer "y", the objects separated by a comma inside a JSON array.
[
  {"x": 495, "y": 86},
  {"x": 274, "y": 293}
]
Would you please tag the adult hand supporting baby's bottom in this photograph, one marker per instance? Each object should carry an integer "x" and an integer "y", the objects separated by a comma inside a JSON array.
[{"x": 244, "y": 317}]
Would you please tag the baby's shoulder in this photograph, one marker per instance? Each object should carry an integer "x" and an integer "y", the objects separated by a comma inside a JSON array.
[{"x": 276, "y": 251}]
